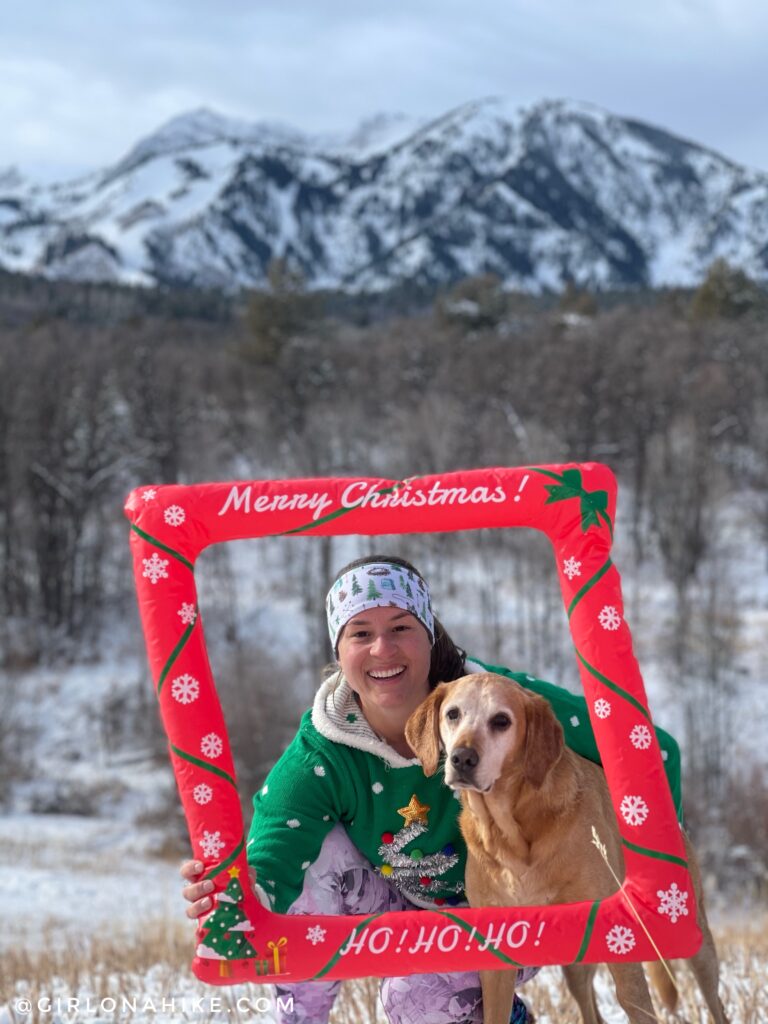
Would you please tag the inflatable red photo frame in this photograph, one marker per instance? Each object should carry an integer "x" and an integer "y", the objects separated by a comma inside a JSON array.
[{"x": 653, "y": 914}]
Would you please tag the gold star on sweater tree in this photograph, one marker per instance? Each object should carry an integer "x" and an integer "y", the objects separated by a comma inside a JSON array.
[{"x": 415, "y": 811}]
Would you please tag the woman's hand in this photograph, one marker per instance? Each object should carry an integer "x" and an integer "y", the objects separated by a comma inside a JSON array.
[{"x": 200, "y": 894}]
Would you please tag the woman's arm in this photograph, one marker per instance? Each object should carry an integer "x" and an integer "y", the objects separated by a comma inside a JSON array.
[
  {"x": 301, "y": 800},
  {"x": 305, "y": 794}
]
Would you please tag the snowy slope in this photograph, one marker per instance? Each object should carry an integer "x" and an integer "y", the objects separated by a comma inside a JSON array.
[{"x": 539, "y": 195}]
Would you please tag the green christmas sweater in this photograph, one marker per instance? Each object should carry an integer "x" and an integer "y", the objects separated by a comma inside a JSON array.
[{"x": 337, "y": 769}]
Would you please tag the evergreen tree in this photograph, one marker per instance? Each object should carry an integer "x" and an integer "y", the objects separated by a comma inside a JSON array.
[
  {"x": 279, "y": 313},
  {"x": 727, "y": 293}
]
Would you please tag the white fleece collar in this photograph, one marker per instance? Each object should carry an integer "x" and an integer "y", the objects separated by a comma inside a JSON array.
[{"x": 337, "y": 716}]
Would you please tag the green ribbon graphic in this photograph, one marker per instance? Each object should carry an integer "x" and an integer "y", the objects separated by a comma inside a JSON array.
[{"x": 594, "y": 504}]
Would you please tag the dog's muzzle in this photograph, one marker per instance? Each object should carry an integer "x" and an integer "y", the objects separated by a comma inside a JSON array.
[{"x": 464, "y": 761}]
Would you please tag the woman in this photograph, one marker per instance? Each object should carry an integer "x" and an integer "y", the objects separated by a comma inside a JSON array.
[{"x": 347, "y": 822}]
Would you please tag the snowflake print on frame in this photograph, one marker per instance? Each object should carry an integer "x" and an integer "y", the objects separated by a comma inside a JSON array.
[
  {"x": 211, "y": 844},
  {"x": 316, "y": 934},
  {"x": 640, "y": 737},
  {"x": 187, "y": 613},
  {"x": 609, "y": 618},
  {"x": 211, "y": 745},
  {"x": 175, "y": 515},
  {"x": 634, "y": 810},
  {"x": 185, "y": 689},
  {"x": 155, "y": 568},
  {"x": 571, "y": 568},
  {"x": 202, "y": 793},
  {"x": 673, "y": 902},
  {"x": 602, "y": 708},
  {"x": 620, "y": 940}
]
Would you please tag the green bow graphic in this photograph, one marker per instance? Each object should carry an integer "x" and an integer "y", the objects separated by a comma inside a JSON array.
[{"x": 594, "y": 504}]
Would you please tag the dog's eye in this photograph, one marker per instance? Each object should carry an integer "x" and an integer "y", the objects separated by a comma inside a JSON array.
[
  {"x": 452, "y": 714},
  {"x": 500, "y": 722}
]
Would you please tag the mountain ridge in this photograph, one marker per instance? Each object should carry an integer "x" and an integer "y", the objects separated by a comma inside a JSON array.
[{"x": 554, "y": 193}]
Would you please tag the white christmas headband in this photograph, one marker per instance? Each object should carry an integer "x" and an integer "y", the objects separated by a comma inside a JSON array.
[{"x": 377, "y": 585}]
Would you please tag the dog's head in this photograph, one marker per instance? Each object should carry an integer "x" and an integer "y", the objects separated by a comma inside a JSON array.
[{"x": 489, "y": 727}]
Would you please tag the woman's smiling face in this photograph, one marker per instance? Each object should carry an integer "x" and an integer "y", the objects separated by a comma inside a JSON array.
[{"x": 385, "y": 655}]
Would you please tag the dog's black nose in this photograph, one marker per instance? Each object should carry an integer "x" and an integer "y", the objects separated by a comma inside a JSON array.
[{"x": 464, "y": 759}]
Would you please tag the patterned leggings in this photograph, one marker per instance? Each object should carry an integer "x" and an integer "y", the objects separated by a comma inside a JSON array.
[{"x": 342, "y": 881}]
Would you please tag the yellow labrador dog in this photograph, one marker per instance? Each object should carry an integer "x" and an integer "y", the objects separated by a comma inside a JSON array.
[{"x": 528, "y": 808}]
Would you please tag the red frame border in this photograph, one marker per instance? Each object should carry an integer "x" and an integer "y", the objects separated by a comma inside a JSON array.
[{"x": 574, "y": 505}]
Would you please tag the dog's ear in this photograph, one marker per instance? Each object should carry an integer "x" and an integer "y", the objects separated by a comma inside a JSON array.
[
  {"x": 543, "y": 740},
  {"x": 422, "y": 730}
]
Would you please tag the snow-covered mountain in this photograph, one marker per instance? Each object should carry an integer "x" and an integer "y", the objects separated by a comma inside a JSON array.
[{"x": 540, "y": 195}]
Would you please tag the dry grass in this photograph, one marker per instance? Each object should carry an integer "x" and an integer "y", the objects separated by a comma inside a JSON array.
[
  {"x": 359, "y": 1003},
  {"x": 58, "y": 965},
  {"x": 70, "y": 957},
  {"x": 743, "y": 951},
  {"x": 155, "y": 964}
]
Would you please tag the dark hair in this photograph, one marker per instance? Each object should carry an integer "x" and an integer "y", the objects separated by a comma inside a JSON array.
[{"x": 448, "y": 660}]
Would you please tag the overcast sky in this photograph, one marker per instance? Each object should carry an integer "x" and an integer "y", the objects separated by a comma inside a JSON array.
[{"x": 82, "y": 80}]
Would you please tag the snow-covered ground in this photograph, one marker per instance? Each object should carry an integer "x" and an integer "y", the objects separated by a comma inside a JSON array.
[{"x": 62, "y": 873}]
